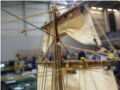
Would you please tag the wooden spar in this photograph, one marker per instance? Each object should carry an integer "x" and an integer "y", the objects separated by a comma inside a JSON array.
[
  {"x": 57, "y": 53},
  {"x": 77, "y": 63}
]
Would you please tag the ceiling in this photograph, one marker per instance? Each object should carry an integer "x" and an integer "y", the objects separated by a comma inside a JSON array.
[{"x": 105, "y": 4}]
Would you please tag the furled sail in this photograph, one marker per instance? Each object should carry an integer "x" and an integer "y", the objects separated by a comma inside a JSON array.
[
  {"x": 84, "y": 79},
  {"x": 78, "y": 25}
]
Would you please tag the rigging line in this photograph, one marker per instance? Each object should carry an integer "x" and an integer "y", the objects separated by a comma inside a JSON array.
[
  {"x": 40, "y": 48},
  {"x": 13, "y": 34},
  {"x": 43, "y": 79},
  {"x": 95, "y": 18},
  {"x": 57, "y": 79},
  {"x": 93, "y": 80},
  {"x": 25, "y": 17},
  {"x": 63, "y": 81},
  {"x": 41, "y": 75},
  {"x": 53, "y": 67},
  {"x": 16, "y": 33},
  {"x": 91, "y": 75},
  {"x": 55, "y": 83},
  {"x": 91, "y": 27},
  {"x": 84, "y": 76},
  {"x": 26, "y": 22},
  {"x": 47, "y": 46},
  {"x": 44, "y": 76},
  {"x": 52, "y": 70},
  {"x": 79, "y": 79},
  {"x": 112, "y": 39},
  {"x": 101, "y": 29},
  {"x": 84, "y": 80},
  {"x": 90, "y": 51},
  {"x": 67, "y": 50},
  {"x": 54, "y": 86},
  {"x": 40, "y": 43},
  {"x": 47, "y": 55},
  {"x": 66, "y": 80},
  {"x": 55, "y": 73},
  {"x": 48, "y": 41}
]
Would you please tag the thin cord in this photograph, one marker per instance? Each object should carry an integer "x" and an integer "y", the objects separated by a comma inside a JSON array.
[
  {"x": 25, "y": 17},
  {"x": 26, "y": 21}
]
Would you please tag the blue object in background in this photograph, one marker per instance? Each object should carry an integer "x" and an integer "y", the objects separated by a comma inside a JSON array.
[
  {"x": 117, "y": 68},
  {"x": 119, "y": 55},
  {"x": 69, "y": 3},
  {"x": 33, "y": 63}
]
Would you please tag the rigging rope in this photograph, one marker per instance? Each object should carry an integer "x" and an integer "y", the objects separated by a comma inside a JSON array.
[
  {"x": 33, "y": 15},
  {"x": 90, "y": 51},
  {"x": 16, "y": 33},
  {"x": 27, "y": 22},
  {"x": 79, "y": 80},
  {"x": 86, "y": 65},
  {"x": 40, "y": 43},
  {"x": 101, "y": 29},
  {"x": 25, "y": 17},
  {"x": 67, "y": 50},
  {"x": 47, "y": 46},
  {"x": 84, "y": 79}
]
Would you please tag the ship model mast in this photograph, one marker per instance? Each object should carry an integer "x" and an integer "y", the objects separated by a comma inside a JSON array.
[{"x": 57, "y": 53}]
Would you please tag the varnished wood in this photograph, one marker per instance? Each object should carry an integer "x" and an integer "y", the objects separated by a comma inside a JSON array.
[
  {"x": 57, "y": 52},
  {"x": 77, "y": 63}
]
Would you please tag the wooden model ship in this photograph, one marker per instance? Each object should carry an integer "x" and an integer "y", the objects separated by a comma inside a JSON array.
[
  {"x": 82, "y": 74},
  {"x": 73, "y": 74}
]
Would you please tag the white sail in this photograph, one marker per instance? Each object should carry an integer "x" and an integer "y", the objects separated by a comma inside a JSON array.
[
  {"x": 79, "y": 26},
  {"x": 84, "y": 79}
]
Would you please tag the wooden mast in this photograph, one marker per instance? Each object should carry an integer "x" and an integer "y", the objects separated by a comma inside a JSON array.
[{"x": 57, "y": 53}]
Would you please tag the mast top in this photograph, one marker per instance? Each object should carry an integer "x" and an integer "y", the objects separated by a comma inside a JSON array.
[{"x": 65, "y": 14}]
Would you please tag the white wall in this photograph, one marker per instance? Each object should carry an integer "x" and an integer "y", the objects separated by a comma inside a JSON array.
[{"x": 21, "y": 43}]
